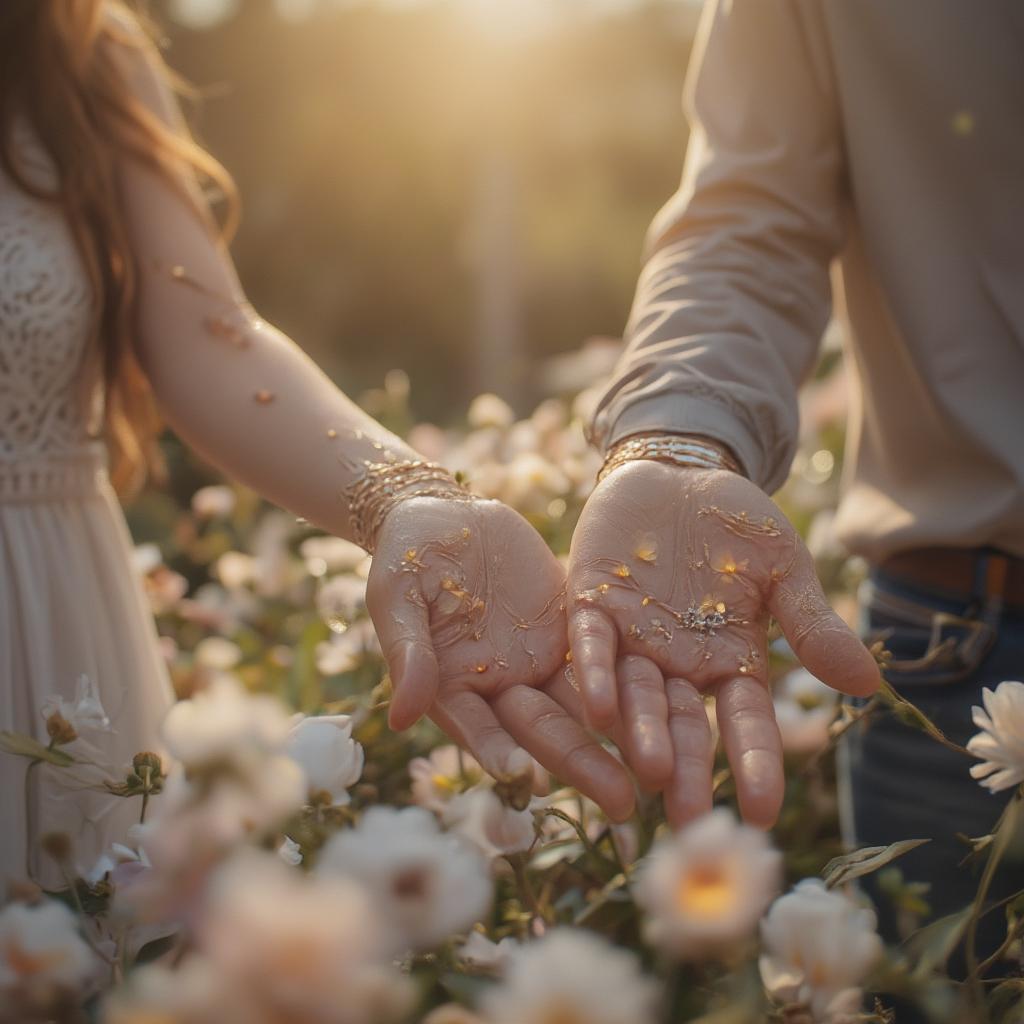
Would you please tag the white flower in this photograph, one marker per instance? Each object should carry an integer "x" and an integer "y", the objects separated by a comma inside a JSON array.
[
  {"x": 572, "y": 977},
  {"x": 197, "y": 826},
  {"x": 488, "y": 824},
  {"x": 275, "y": 570},
  {"x": 214, "y": 652},
  {"x": 706, "y": 887},
  {"x": 332, "y": 554},
  {"x": 478, "y": 951},
  {"x": 147, "y": 558},
  {"x": 214, "y": 502},
  {"x": 532, "y": 481},
  {"x": 441, "y": 776},
  {"x": 348, "y": 650},
  {"x": 234, "y": 569},
  {"x": 339, "y": 600},
  {"x": 1000, "y": 744},
  {"x": 331, "y": 760},
  {"x": 41, "y": 953},
  {"x": 804, "y": 730},
  {"x": 274, "y": 945},
  {"x": 114, "y": 860},
  {"x": 290, "y": 852},
  {"x": 819, "y": 947},
  {"x": 225, "y": 725},
  {"x": 299, "y": 947},
  {"x": 490, "y": 411},
  {"x": 85, "y": 713},
  {"x": 426, "y": 884},
  {"x": 215, "y": 608},
  {"x": 233, "y": 780},
  {"x": 192, "y": 993}
]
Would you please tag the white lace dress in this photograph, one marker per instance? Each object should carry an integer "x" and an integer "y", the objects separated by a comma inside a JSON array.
[{"x": 71, "y": 604}]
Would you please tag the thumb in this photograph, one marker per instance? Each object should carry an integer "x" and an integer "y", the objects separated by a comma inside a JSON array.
[
  {"x": 825, "y": 645},
  {"x": 412, "y": 662}
]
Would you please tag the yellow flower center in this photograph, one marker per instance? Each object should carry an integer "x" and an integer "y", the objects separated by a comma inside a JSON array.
[
  {"x": 445, "y": 783},
  {"x": 706, "y": 891}
]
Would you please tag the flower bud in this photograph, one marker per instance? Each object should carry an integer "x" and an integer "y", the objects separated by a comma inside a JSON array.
[
  {"x": 60, "y": 730},
  {"x": 151, "y": 761}
]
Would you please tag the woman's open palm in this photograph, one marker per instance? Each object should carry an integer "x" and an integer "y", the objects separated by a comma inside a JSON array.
[{"x": 469, "y": 604}]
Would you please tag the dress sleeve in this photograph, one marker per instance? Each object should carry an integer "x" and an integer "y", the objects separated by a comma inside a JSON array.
[
  {"x": 232, "y": 386},
  {"x": 735, "y": 296}
]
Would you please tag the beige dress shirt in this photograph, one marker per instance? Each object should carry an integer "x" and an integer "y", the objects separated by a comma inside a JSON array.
[{"x": 887, "y": 134}]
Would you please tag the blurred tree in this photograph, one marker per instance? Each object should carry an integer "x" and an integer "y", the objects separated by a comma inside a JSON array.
[{"x": 438, "y": 192}]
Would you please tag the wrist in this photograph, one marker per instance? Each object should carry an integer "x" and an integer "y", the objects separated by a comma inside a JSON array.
[
  {"x": 385, "y": 485},
  {"x": 690, "y": 451}
]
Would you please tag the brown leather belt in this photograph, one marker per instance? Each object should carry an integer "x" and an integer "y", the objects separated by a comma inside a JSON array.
[{"x": 956, "y": 571}]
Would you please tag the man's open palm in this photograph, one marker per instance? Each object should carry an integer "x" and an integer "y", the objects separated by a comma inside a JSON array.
[{"x": 684, "y": 567}]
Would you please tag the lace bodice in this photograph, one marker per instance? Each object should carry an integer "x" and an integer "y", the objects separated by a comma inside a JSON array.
[{"x": 48, "y": 384}]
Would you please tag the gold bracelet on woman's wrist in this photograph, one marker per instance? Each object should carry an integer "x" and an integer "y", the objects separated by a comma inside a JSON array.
[
  {"x": 386, "y": 484},
  {"x": 675, "y": 449}
]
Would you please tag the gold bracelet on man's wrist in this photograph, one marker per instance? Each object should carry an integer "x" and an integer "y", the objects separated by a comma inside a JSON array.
[{"x": 675, "y": 449}]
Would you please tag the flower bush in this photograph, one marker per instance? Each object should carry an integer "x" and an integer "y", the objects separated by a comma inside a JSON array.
[{"x": 296, "y": 861}]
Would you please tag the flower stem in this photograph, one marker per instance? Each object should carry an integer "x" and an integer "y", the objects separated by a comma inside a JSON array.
[
  {"x": 146, "y": 776},
  {"x": 1005, "y": 831},
  {"x": 28, "y": 818}
]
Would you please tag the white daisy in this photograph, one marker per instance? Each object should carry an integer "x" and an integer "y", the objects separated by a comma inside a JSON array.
[{"x": 1000, "y": 744}]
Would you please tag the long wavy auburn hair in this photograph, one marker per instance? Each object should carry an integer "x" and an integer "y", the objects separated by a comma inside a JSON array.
[{"x": 58, "y": 68}]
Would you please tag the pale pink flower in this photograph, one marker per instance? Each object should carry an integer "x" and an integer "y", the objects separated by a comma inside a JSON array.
[
  {"x": 819, "y": 948},
  {"x": 572, "y": 976},
  {"x": 426, "y": 884},
  {"x": 494, "y": 829},
  {"x": 704, "y": 889},
  {"x": 441, "y": 776}
]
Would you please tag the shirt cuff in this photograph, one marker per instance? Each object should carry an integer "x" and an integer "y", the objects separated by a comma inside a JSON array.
[{"x": 680, "y": 414}]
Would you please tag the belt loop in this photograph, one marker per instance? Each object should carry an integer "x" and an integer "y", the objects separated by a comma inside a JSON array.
[{"x": 991, "y": 573}]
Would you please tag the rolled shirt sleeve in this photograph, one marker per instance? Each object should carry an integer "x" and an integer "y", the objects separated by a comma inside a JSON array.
[{"x": 735, "y": 295}]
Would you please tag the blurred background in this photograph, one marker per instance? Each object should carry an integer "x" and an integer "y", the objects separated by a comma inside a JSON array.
[
  {"x": 444, "y": 199},
  {"x": 456, "y": 188}
]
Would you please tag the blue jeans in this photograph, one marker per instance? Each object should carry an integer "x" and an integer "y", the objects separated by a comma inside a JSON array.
[{"x": 898, "y": 783}]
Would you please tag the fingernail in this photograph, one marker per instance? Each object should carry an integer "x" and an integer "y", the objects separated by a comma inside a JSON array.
[{"x": 519, "y": 762}]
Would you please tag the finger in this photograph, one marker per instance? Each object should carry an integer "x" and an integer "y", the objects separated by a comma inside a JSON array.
[
  {"x": 689, "y": 792},
  {"x": 644, "y": 707},
  {"x": 469, "y": 720},
  {"x": 825, "y": 645},
  {"x": 567, "y": 696},
  {"x": 593, "y": 638},
  {"x": 566, "y": 749},
  {"x": 409, "y": 651},
  {"x": 746, "y": 720}
]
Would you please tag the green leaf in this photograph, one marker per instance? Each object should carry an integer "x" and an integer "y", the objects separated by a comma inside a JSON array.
[
  {"x": 25, "y": 746},
  {"x": 865, "y": 861},
  {"x": 931, "y": 946}
]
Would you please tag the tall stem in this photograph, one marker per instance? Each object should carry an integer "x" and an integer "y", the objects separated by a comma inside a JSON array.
[
  {"x": 1005, "y": 831},
  {"x": 29, "y": 830}
]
